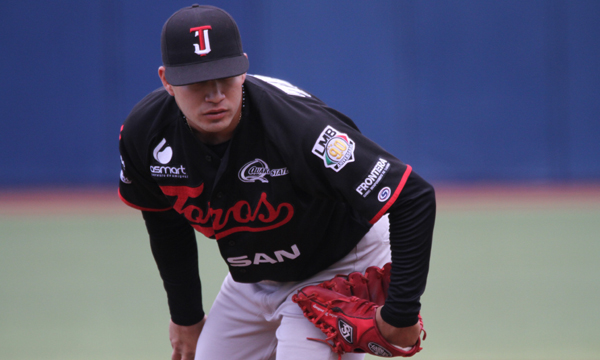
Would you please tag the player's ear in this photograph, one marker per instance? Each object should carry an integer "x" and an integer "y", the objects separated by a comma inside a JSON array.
[{"x": 166, "y": 85}]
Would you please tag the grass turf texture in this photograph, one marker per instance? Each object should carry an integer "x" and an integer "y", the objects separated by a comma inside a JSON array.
[{"x": 509, "y": 279}]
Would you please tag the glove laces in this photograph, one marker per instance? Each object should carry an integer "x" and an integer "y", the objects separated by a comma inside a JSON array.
[{"x": 329, "y": 330}]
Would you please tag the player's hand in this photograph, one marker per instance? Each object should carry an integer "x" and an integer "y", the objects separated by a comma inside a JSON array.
[
  {"x": 404, "y": 337},
  {"x": 184, "y": 339}
]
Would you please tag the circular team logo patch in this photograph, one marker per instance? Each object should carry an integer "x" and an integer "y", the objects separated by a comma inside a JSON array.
[
  {"x": 384, "y": 194},
  {"x": 338, "y": 149}
]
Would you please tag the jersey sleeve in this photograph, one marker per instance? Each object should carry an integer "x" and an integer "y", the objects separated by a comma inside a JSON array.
[
  {"x": 412, "y": 219},
  {"x": 136, "y": 187},
  {"x": 329, "y": 157},
  {"x": 357, "y": 170},
  {"x": 173, "y": 244}
]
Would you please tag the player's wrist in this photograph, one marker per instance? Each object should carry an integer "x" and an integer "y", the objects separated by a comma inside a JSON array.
[
  {"x": 398, "y": 319},
  {"x": 189, "y": 319},
  {"x": 403, "y": 338}
]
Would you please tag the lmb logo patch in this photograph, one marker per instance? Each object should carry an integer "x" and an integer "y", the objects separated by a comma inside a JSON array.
[{"x": 335, "y": 148}]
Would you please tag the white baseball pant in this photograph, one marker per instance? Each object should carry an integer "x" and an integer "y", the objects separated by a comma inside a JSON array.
[{"x": 261, "y": 322}]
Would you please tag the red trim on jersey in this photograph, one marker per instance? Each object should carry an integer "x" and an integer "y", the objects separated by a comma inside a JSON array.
[
  {"x": 391, "y": 201},
  {"x": 139, "y": 207}
]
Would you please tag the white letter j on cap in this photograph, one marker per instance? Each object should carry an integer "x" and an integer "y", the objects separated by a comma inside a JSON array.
[{"x": 204, "y": 47}]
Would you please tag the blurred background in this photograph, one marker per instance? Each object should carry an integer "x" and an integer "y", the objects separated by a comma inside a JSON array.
[
  {"x": 494, "y": 102},
  {"x": 466, "y": 90}
]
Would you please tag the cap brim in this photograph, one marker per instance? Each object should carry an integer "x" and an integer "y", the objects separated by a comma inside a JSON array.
[{"x": 218, "y": 69}]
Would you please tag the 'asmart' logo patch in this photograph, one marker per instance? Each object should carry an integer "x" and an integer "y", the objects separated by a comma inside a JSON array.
[
  {"x": 163, "y": 153},
  {"x": 335, "y": 148}
]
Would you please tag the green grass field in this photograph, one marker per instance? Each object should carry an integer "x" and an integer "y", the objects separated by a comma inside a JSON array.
[{"x": 507, "y": 281}]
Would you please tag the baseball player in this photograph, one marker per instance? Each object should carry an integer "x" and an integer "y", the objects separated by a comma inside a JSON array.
[{"x": 288, "y": 188}]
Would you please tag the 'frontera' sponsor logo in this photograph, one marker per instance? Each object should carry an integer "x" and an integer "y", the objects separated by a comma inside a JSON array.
[
  {"x": 374, "y": 177},
  {"x": 257, "y": 169},
  {"x": 335, "y": 148}
]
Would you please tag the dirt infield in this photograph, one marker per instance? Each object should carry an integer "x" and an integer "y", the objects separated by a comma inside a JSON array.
[{"x": 104, "y": 201}]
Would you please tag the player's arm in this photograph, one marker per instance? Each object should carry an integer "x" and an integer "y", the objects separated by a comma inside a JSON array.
[
  {"x": 412, "y": 220},
  {"x": 173, "y": 244}
]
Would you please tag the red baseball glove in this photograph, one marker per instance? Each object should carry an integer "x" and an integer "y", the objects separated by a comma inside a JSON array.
[{"x": 344, "y": 309}]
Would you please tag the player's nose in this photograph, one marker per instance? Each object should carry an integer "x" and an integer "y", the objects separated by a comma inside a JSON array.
[{"x": 214, "y": 91}]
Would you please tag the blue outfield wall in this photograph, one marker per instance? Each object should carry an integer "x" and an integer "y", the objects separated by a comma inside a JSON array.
[{"x": 464, "y": 91}]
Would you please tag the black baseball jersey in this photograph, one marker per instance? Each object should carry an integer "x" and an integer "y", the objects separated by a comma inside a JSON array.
[{"x": 297, "y": 186}]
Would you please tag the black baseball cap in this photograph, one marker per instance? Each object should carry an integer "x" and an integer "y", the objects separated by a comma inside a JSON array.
[{"x": 200, "y": 43}]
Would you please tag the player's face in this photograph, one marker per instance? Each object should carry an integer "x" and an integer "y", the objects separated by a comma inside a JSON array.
[{"x": 212, "y": 108}]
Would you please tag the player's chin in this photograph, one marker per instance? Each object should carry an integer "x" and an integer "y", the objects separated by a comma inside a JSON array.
[{"x": 217, "y": 125}]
